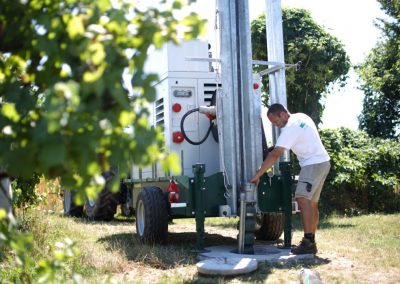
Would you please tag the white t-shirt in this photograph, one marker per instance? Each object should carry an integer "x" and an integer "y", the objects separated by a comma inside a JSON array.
[{"x": 301, "y": 136}]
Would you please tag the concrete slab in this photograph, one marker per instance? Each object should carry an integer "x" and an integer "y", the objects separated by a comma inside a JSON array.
[
  {"x": 262, "y": 252},
  {"x": 227, "y": 266}
]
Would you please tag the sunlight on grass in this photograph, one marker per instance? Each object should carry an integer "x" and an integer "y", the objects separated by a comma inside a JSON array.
[{"x": 362, "y": 249}]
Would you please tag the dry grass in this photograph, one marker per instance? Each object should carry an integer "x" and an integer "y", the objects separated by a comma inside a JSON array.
[{"x": 364, "y": 249}]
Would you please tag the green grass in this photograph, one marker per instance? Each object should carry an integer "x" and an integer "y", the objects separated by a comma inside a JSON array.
[{"x": 361, "y": 249}]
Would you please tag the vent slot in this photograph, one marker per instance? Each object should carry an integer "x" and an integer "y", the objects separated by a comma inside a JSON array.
[
  {"x": 160, "y": 112},
  {"x": 209, "y": 90}
]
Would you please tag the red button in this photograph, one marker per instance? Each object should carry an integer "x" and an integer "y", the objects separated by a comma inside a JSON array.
[
  {"x": 177, "y": 137},
  {"x": 255, "y": 86},
  {"x": 176, "y": 107}
]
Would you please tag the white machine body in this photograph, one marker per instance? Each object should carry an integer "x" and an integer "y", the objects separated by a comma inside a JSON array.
[{"x": 184, "y": 85}]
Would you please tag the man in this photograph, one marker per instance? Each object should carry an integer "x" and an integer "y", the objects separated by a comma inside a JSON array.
[{"x": 300, "y": 135}]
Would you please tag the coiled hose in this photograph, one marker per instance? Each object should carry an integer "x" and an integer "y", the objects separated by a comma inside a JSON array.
[{"x": 183, "y": 129}]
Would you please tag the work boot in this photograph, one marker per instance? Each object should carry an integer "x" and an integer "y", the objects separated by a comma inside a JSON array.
[{"x": 305, "y": 247}]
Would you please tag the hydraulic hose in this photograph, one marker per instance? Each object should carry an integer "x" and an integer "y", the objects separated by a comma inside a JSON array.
[{"x": 183, "y": 129}]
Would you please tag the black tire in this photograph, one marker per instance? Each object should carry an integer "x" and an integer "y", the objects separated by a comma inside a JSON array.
[
  {"x": 70, "y": 208},
  {"x": 152, "y": 216},
  {"x": 269, "y": 226},
  {"x": 104, "y": 207}
]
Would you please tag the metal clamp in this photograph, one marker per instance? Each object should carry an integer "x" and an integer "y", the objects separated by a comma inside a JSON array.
[{"x": 276, "y": 66}]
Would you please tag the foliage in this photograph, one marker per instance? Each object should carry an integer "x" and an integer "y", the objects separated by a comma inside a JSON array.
[
  {"x": 17, "y": 247},
  {"x": 64, "y": 104},
  {"x": 24, "y": 191},
  {"x": 364, "y": 175},
  {"x": 323, "y": 60},
  {"x": 380, "y": 74}
]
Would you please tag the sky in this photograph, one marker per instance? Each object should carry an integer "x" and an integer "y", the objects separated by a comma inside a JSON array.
[{"x": 352, "y": 22}]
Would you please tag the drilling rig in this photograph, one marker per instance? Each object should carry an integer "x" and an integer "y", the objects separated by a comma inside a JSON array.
[{"x": 209, "y": 110}]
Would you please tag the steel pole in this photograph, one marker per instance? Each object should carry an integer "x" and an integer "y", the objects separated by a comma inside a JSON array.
[{"x": 277, "y": 80}]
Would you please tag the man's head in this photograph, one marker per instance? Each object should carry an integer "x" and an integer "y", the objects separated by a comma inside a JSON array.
[{"x": 278, "y": 115}]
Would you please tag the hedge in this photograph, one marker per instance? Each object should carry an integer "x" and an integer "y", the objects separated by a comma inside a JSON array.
[{"x": 364, "y": 175}]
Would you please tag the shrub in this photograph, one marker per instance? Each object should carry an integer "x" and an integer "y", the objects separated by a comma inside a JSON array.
[{"x": 365, "y": 173}]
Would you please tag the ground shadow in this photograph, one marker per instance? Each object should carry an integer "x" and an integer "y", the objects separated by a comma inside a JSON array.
[
  {"x": 326, "y": 224},
  {"x": 184, "y": 240},
  {"x": 179, "y": 248},
  {"x": 223, "y": 225},
  {"x": 128, "y": 221}
]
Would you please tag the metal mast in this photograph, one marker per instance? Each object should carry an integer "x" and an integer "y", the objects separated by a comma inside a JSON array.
[
  {"x": 277, "y": 79},
  {"x": 239, "y": 112}
]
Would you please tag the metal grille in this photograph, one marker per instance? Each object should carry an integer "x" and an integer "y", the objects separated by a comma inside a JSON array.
[
  {"x": 160, "y": 112},
  {"x": 209, "y": 90}
]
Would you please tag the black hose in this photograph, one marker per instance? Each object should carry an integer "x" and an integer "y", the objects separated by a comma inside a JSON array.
[
  {"x": 214, "y": 130},
  {"x": 183, "y": 130}
]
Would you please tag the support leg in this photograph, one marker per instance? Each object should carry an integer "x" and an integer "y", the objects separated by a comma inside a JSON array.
[
  {"x": 287, "y": 202},
  {"x": 198, "y": 171}
]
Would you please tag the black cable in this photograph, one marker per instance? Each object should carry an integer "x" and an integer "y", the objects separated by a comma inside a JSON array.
[{"x": 183, "y": 130}]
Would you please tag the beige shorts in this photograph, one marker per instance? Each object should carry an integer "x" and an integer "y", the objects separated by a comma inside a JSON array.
[{"x": 311, "y": 180}]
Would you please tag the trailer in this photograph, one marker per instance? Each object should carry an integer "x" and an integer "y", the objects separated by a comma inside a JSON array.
[{"x": 209, "y": 110}]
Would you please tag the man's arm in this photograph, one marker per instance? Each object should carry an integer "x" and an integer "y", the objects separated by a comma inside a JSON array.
[{"x": 269, "y": 161}]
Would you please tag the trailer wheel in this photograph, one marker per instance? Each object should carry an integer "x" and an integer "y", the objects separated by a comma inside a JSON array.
[
  {"x": 269, "y": 226},
  {"x": 152, "y": 216},
  {"x": 70, "y": 208},
  {"x": 104, "y": 207}
]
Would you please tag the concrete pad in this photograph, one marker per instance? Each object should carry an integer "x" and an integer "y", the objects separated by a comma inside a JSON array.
[
  {"x": 262, "y": 252},
  {"x": 227, "y": 266}
]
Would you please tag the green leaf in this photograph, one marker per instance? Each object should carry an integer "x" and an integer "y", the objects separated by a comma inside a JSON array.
[
  {"x": 92, "y": 76},
  {"x": 97, "y": 53},
  {"x": 172, "y": 163},
  {"x": 3, "y": 214},
  {"x": 177, "y": 4},
  {"x": 158, "y": 40},
  {"x": 126, "y": 118},
  {"x": 9, "y": 111},
  {"x": 75, "y": 27}
]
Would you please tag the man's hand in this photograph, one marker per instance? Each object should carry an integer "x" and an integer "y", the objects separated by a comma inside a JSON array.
[
  {"x": 255, "y": 180},
  {"x": 271, "y": 158}
]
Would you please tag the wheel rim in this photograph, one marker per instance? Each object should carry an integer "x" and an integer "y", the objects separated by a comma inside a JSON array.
[{"x": 140, "y": 219}]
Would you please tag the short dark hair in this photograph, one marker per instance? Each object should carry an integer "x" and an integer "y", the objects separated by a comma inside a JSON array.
[{"x": 276, "y": 109}]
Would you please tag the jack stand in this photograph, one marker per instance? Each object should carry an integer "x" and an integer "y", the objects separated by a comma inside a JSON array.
[
  {"x": 284, "y": 167},
  {"x": 199, "y": 188}
]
